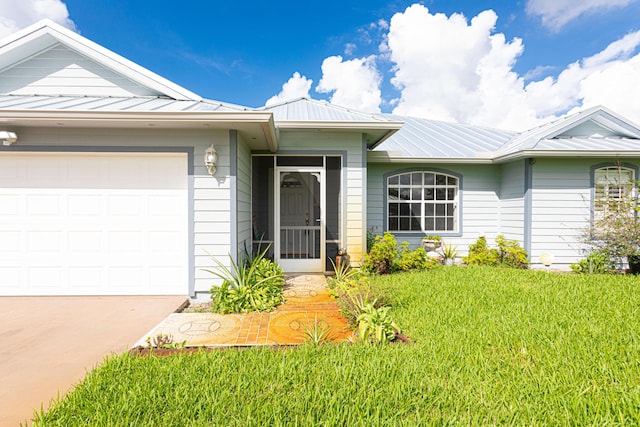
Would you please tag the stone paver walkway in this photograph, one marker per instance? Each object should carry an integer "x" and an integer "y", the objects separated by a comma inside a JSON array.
[{"x": 307, "y": 302}]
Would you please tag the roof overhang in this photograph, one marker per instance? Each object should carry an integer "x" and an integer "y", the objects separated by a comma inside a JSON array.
[
  {"x": 375, "y": 132},
  {"x": 397, "y": 157},
  {"x": 257, "y": 127},
  {"x": 487, "y": 158},
  {"x": 568, "y": 153}
]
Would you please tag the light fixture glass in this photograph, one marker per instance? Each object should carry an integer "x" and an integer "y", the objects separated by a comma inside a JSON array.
[
  {"x": 210, "y": 160},
  {"x": 8, "y": 138}
]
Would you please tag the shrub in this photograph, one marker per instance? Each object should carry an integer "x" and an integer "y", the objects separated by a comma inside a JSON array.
[
  {"x": 615, "y": 227},
  {"x": 413, "y": 260},
  {"x": 386, "y": 257},
  {"x": 381, "y": 258},
  {"x": 507, "y": 254},
  {"x": 255, "y": 284},
  {"x": 480, "y": 254},
  {"x": 510, "y": 254},
  {"x": 595, "y": 263}
]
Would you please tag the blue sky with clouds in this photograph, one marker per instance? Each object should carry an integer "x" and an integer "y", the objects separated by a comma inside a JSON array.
[{"x": 509, "y": 64}]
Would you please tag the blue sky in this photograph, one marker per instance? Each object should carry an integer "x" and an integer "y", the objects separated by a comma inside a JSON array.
[{"x": 412, "y": 58}]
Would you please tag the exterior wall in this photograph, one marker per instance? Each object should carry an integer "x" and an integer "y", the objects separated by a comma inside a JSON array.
[
  {"x": 478, "y": 195},
  {"x": 210, "y": 207},
  {"x": 61, "y": 71},
  {"x": 512, "y": 189},
  {"x": 243, "y": 191},
  {"x": 561, "y": 207},
  {"x": 350, "y": 145}
]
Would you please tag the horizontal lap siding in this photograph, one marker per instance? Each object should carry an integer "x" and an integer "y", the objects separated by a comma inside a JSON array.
[
  {"x": 352, "y": 209},
  {"x": 211, "y": 204},
  {"x": 512, "y": 201},
  {"x": 61, "y": 71},
  {"x": 479, "y": 202},
  {"x": 561, "y": 200},
  {"x": 244, "y": 197}
]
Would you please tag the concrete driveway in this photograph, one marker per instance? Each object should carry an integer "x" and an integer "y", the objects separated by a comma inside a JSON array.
[{"x": 47, "y": 344}]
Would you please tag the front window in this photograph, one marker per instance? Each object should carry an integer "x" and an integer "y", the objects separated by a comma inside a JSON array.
[
  {"x": 422, "y": 201},
  {"x": 612, "y": 186}
]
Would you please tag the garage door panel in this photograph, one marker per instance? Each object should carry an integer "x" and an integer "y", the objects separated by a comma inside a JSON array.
[
  {"x": 91, "y": 229},
  {"x": 88, "y": 278},
  {"x": 45, "y": 277},
  {"x": 10, "y": 278}
]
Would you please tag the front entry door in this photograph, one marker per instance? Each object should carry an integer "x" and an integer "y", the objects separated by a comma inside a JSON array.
[{"x": 300, "y": 221}]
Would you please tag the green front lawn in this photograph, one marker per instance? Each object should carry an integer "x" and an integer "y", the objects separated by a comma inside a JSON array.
[{"x": 492, "y": 346}]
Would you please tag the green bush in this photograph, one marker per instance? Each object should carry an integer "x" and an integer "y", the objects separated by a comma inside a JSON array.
[
  {"x": 510, "y": 254},
  {"x": 594, "y": 263},
  {"x": 253, "y": 285},
  {"x": 382, "y": 256},
  {"x": 413, "y": 260},
  {"x": 507, "y": 254},
  {"x": 386, "y": 257},
  {"x": 480, "y": 254}
]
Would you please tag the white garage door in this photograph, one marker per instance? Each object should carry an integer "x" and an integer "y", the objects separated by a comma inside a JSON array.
[{"x": 93, "y": 224}]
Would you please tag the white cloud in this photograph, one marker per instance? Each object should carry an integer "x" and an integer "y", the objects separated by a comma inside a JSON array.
[
  {"x": 354, "y": 83},
  {"x": 17, "y": 14},
  {"x": 447, "y": 68},
  {"x": 556, "y": 13},
  {"x": 296, "y": 87}
]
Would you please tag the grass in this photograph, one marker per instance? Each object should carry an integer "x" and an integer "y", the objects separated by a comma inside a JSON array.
[{"x": 492, "y": 347}]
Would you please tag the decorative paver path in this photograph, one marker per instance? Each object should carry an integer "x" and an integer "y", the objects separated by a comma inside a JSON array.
[{"x": 307, "y": 302}]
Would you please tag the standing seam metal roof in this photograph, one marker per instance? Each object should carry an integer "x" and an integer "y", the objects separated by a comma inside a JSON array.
[
  {"x": 91, "y": 103},
  {"x": 423, "y": 138}
]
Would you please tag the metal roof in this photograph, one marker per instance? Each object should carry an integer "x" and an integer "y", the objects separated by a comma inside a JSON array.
[
  {"x": 94, "y": 103},
  {"x": 533, "y": 138},
  {"x": 422, "y": 138},
  {"x": 306, "y": 109}
]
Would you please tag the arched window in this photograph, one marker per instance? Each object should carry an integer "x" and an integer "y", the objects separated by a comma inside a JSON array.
[
  {"x": 611, "y": 184},
  {"x": 422, "y": 202}
]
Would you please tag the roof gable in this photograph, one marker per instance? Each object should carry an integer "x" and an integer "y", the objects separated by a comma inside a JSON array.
[
  {"x": 60, "y": 71},
  {"x": 593, "y": 123},
  {"x": 60, "y": 53}
]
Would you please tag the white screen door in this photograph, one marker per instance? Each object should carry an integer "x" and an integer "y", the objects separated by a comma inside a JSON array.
[{"x": 300, "y": 222}]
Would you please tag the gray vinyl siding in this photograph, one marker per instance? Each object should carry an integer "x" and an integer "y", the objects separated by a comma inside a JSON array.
[
  {"x": 512, "y": 187},
  {"x": 211, "y": 195},
  {"x": 478, "y": 198},
  {"x": 337, "y": 143},
  {"x": 243, "y": 206},
  {"x": 62, "y": 71}
]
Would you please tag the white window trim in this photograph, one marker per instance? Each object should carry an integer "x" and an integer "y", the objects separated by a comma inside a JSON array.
[{"x": 424, "y": 203}]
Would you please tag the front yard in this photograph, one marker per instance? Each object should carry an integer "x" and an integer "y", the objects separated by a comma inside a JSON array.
[{"x": 492, "y": 346}]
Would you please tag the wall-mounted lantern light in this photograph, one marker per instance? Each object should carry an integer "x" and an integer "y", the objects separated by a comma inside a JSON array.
[
  {"x": 8, "y": 138},
  {"x": 210, "y": 160}
]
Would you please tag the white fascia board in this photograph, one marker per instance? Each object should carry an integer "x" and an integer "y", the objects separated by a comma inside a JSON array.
[
  {"x": 41, "y": 33},
  {"x": 566, "y": 153},
  {"x": 126, "y": 119},
  {"x": 394, "y": 157},
  {"x": 338, "y": 125}
]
